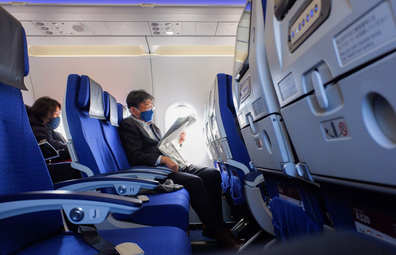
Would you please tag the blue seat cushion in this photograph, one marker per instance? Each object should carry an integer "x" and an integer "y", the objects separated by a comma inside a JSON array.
[
  {"x": 291, "y": 221},
  {"x": 174, "y": 207},
  {"x": 311, "y": 195}
]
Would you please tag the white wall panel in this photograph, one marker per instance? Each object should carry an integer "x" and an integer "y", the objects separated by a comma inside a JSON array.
[
  {"x": 28, "y": 96},
  {"x": 117, "y": 75},
  {"x": 187, "y": 79}
]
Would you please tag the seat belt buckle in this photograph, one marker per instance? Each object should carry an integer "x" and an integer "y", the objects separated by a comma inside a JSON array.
[{"x": 128, "y": 249}]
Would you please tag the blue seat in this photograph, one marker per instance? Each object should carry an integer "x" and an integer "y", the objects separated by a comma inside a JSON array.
[
  {"x": 246, "y": 184},
  {"x": 110, "y": 132},
  {"x": 266, "y": 136},
  {"x": 30, "y": 217},
  {"x": 342, "y": 127},
  {"x": 93, "y": 152},
  {"x": 159, "y": 203},
  {"x": 237, "y": 161}
]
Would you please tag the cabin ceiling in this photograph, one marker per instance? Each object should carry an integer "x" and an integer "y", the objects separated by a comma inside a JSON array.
[{"x": 60, "y": 25}]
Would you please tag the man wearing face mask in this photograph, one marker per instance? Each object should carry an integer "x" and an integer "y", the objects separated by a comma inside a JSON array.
[
  {"x": 44, "y": 118},
  {"x": 140, "y": 138}
]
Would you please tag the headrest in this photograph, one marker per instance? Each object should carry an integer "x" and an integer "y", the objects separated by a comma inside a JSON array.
[
  {"x": 90, "y": 97},
  {"x": 13, "y": 51},
  {"x": 230, "y": 101},
  {"x": 110, "y": 109},
  {"x": 123, "y": 112}
]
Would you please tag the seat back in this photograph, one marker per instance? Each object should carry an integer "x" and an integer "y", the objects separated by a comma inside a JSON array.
[
  {"x": 84, "y": 110},
  {"x": 341, "y": 115},
  {"x": 92, "y": 136},
  {"x": 110, "y": 131},
  {"x": 212, "y": 149},
  {"x": 22, "y": 166},
  {"x": 227, "y": 139},
  {"x": 264, "y": 131}
]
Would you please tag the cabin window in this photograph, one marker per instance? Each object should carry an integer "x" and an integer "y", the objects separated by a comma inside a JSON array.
[
  {"x": 61, "y": 129},
  {"x": 177, "y": 112},
  {"x": 180, "y": 110}
]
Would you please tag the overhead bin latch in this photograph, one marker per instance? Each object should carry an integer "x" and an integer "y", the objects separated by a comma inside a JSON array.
[
  {"x": 249, "y": 119},
  {"x": 319, "y": 90}
]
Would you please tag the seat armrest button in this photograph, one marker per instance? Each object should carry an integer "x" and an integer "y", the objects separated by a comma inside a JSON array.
[{"x": 77, "y": 214}]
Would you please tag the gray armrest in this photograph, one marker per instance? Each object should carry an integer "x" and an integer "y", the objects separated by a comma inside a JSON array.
[
  {"x": 80, "y": 207},
  {"x": 123, "y": 186}
]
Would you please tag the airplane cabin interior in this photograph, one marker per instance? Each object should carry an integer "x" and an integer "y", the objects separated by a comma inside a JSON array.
[{"x": 291, "y": 101}]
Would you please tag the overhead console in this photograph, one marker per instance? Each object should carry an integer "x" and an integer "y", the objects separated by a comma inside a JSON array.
[{"x": 306, "y": 21}]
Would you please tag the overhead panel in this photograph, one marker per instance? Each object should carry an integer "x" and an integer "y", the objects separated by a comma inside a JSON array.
[
  {"x": 206, "y": 28},
  {"x": 188, "y": 28},
  {"x": 128, "y": 28},
  {"x": 227, "y": 28},
  {"x": 31, "y": 29},
  {"x": 62, "y": 28},
  {"x": 165, "y": 28},
  {"x": 98, "y": 28}
]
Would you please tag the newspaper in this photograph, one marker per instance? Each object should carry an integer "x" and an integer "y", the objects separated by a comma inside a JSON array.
[{"x": 169, "y": 144}]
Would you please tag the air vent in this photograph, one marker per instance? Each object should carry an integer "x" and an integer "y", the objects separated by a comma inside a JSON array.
[
  {"x": 62, "y": 28},
  {"x": 78, "y": 28}
]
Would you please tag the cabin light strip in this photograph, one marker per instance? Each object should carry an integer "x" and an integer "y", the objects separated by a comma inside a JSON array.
[{"x": 128, "y": 51}]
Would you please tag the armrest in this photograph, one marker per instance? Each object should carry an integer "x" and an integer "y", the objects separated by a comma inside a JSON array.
[
  {"x": 123, "y": 186},
  {"x": 160, "y": 169},
  {"x": 254, "y": 178},
  {"x": 239, "y": 165},
  {"x": 80, "y": 207},
  {"x": 82, "y": 168},
  {"x": 138, "y": 173}
]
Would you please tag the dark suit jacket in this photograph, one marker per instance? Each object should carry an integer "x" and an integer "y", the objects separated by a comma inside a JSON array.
[{"x": 139, "y": 147}]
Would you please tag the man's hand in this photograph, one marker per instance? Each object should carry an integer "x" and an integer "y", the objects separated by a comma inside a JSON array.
[
  {"x": 182, "y": 137},
  {"x": 169, "y": 163}
]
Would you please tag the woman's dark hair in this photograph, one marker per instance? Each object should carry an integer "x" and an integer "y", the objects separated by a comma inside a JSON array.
[
  {"x": 136, "y": 97},
  {"x": 44, "y": 107}
]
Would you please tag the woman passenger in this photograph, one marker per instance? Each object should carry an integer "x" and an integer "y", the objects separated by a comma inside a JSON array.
[{"x": 44, "y": 118}]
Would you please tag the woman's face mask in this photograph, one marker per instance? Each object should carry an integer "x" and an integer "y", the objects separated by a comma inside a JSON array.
[{"x": 53, "y": 123}]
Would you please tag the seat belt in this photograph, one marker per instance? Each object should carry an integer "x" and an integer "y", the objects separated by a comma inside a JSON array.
[{"x": 92, "y": 237}]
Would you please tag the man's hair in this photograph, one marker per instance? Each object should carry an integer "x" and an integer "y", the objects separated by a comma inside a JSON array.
[
  {"x": 44, "y": 107},
  {"x": 136, "y": 97}
]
